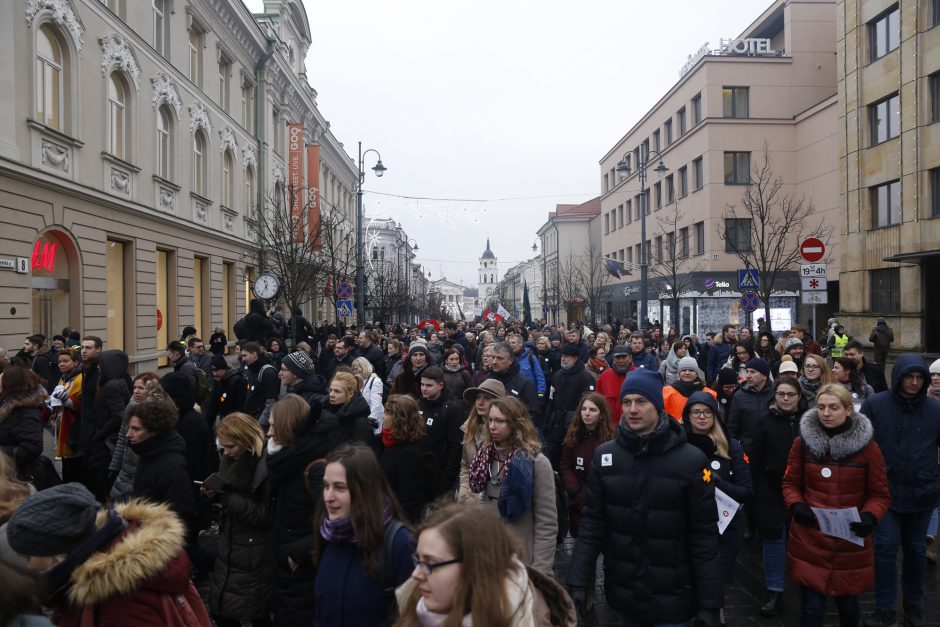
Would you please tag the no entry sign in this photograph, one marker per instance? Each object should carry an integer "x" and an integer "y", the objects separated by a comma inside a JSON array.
[{"x": 812, "y": 249}]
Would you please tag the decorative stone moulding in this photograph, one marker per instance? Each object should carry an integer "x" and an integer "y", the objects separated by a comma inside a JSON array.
[
  {"x": 164, "y": 92},
  {"x": 167, "y": 199},
  {"x": 200, "y": 212},
  {"x": 228, "y": 140},
  {"x": 249, "y": 159},
  {"x": 228, "y": 222},
  {"x": 55, "y": 155},
  {"x": 277, "y": 175},
  {"x": 120, "y": 181},
  {"x": 61, "y": 13},
  {"x": 200, "y": 119},
  {"x": 116, "y": 53}
]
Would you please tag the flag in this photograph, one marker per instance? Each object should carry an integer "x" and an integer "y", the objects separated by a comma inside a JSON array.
[
  {"x": 460, "y": 311},
  {"x": 526, "y": 307},
  {"x": 500, "y": 310}
]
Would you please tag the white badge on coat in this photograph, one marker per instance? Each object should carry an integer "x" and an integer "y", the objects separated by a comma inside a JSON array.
[
  {"x": 430, "y": 422},
  {"x": 826, "y": 473},
  {"x": 716, "y": 464},
  {"x": 607, "y": 459},
  {"x": 579, "y": 462}
]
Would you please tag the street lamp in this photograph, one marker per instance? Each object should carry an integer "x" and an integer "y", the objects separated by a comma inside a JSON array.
[
  {"x": 643, "y": 160},
  {"x": 379, "y": 170}
]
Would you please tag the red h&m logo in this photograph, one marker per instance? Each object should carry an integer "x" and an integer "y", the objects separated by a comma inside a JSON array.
[{"x": 44, "y": 256}]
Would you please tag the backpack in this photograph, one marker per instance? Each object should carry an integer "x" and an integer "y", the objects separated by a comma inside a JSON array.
[
  {"x": 561, "y": 506},
  {"x": 203, "y": 390},
  {"x": 241, "y": 329}
]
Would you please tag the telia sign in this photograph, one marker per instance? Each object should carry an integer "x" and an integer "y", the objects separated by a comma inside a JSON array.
[{"x": 711, "y": 284}]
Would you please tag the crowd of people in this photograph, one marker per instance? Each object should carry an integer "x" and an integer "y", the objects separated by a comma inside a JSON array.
[{"x": 424, "y": 476}]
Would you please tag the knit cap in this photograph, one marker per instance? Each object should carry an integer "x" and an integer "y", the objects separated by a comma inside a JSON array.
[
  {"x": 793, "y": 341},
  {"x": 727, "y": 376},
  {"x": 571, "y": 350},
  {"x": 935, "y": 367},
  {"x": 53, "y": 521},
  {"x": 690, "y": 363},
  {"x": 219, "y": 363},
  {"x": 299, "y": 363},
  {"x": 760, "y": 366},
  {"x": 647, "y": 384},
  {"x": 788, "y": 366}
]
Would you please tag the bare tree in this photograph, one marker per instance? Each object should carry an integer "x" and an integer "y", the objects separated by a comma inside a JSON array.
[
  {"x": 674, "y": 265},
  {"x": 590, "y": 272},
  {"x": 774, "y": 224},
  {"x": 434, "y": 305},
  {"x": 570, "y": 286},
  {"x": 337, "y": 244},
  {"x": 387, "y": 295}
]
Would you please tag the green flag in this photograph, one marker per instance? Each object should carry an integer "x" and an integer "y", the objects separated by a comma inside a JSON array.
[
  {"x": 460, "y": 311},
  {"x": 526, "y": 308}
]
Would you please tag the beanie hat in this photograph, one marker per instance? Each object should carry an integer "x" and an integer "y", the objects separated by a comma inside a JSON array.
[
  {"x": 690, "y": 363},
  {"x": 299, "y": 363},
  {"x": 788, "y": 366},
  {"x": 554, "y": 337},
  {"x": 760, "y": 366},
  {"x": 53, "y": 521},
  {"x": 727, "y": 376},
  {"x": 571, "y": 350},
  {"x": 647, "y": 384},
  {"x": 935, "y": 367},
  {"x": 219, "y": 363},
  {"x": 793, "y": 341},
  {"x": 418, "y": 347}
]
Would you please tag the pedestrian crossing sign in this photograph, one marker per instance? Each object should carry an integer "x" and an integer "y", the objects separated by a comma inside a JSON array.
[
  {"x": 344, "y": 308},
  {"x": 748, "y": 279}
]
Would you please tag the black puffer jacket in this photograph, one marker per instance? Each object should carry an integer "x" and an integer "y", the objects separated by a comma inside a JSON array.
[
  {"x": 651, "y": 511},
  {"x": 240, "y": 586},
  {"x": 747, "y": 407},
  {"x": 228, "y": 396},
  {"x": 442, "y": 438},
  {"x": 21, "y": 435},
  {"x": 353, "y": 424},
  {"x": 162, "y": 475},
  {"x": 256, "y": 325},
  {"x": 768, "y": 455},
  {"x": 313, "y": 389},
  {"x": 567, "y": 388}
]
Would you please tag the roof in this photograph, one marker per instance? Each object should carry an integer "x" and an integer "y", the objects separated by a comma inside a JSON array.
[
  {"x": 587, "y": 209},
  {"x": 488, "y": 254}
]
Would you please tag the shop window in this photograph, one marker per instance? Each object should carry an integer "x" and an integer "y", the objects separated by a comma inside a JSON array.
[
  {"x": 884, "y": 288},
  {"x": 116, "y": 264}
]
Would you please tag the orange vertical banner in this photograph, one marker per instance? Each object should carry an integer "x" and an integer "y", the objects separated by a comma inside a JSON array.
[
  {"x": 313, "y": 194},
  {"x": 295, "y": 167}
]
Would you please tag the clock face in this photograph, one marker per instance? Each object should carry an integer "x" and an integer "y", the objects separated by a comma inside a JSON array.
[{"x": 267, "y": 286}]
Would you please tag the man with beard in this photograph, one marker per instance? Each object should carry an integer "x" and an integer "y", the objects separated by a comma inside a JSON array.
[
  {"x": 345, "y": 352},
  {"x": 569, "y": 384},
  {"x": 611, "y": 380},
  {"x": 506, "y": 370}
]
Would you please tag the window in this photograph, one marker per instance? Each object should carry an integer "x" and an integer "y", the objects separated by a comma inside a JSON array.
[
  {"x": 934, "y": 13},
  {"x": 886, "y": 204},
  {"x": 227, "y": 178},
  {"x": 698, "y": 169},
  {"x": 885, "y": 119},
  {"x": 680, "y": 116},
  {"x": 49, "y": 79},
  {"x": 195, "y": 56},
  {"x": 117, "y": 117},
  {"x": 683, "y": 181},
  {"x": 734, "y": 102},
  {"x": 225, "y": 69},
  {"x": 884, "y": 33},
  {"x": 737, "y": 168},
  {"x": 737, "y": 234},
  {"x": 696, "y": 109},
  {"x": 606, "y": 183},
  {"x": 629, "y": 211},
  {"x": 620, "y": 217},
  {"x": 658, "y": 195},
  {"x": 933, "y": 87},
  {"x": 670, "y": 189},
  {"x": 159, "y": 27},
  {"x": 667, "y": 128},
  {"x": 199, "y": 163},
  {"x": 934, "y": 175},
  {"x": 276, "y": 130},
  {"x": 885, "y": 290},
  {"x": 645, "y": 149},
  {"x": 659, "y": 248},
  {"x": 247, "y": 96},
  {"x": 164, "y": 143},
  {"x": 249, "y": 189},
  {"x": 683, "y": 249},
  {"x": 606, "y": 223},
  {"x": 699, "y": 238},
  {"x": 630, "y": 255},
  {"x": 656, "y": 145}
]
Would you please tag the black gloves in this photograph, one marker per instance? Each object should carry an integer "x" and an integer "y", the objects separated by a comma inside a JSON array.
[
  {"x": 804, "y": 515},
  {"x": 579, "y": 596},
  {"x": 865, "y": 527},
  {"x": 708, "y": 618}
]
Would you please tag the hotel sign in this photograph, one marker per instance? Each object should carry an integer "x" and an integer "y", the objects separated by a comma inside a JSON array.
[{"x": 746, "y": 46}]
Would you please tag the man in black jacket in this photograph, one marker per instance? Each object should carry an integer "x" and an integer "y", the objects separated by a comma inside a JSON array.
[
  {"x": 651, "y": 509},
  {"x": 442, "y": 438},
  {"x": 228, "y": 392},
  {"x": 874, "y": 373},
  {"x": 297, "y": 375},
  {"x": 750, "y": 403},
  {"x": 373, "y": 352},
  {"x": 506, "y": 371},
  {"x": 264, "y": 387},
  {"x": 569, "y": 384}
]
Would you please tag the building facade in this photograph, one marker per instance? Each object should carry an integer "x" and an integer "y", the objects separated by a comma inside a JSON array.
[
  {"x": 488, "y": 275},
  {"x": 523, "y": 276},
  {"x": 773, "y": 88},
  {"x": 395, "y": 281},
  {"x": 889, "y": 164},
  {"x": 138, "y": 141}
]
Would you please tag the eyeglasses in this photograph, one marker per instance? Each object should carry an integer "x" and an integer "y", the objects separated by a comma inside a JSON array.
[
  {"x": 787, "y": 394},
  {"x": 810, "y": 367},
  {"x": 701, "y": 413},
  {"x": 427, "y": 568},
  {"x": 496, "y": 421}
]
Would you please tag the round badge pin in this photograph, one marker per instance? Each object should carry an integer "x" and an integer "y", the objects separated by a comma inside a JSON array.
[
  {"x": 826, "y": 473},
  {"x": 716, "y": 465}
]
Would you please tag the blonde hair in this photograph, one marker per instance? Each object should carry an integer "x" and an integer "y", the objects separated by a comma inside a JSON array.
[
  {"x": 825, "y": 374},
  {"x": 838, "y": 390},
  {"x": 244, "y": 431},
  {"x": 12, "y": 491},
  {"x": 286, "y": 417},
  {"x": 350, "y": 382},
  {"x": 364, "y": 365}
]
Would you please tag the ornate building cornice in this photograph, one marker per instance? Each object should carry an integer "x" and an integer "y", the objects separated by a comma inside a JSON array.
[
  {"x": 117, "y": 53},
  {"x": 199, "y": 119},
  {"x": 228, "y": 140},
  {"x": 62, "y": 13},
  {"x": 165, "y": 92}
]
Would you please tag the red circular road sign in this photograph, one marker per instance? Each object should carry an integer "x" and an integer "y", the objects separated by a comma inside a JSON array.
[
  {"x": 812, "y": 249},
  {"x": 159, "y": 319}
]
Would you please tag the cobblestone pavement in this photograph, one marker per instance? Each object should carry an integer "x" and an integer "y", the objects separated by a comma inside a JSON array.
[{"x": 743, "y": 599}]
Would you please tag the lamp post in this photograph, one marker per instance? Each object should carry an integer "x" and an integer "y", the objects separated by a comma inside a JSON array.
[
  {"x": 641, "y": 166},
  {"x": 379, "y": 170}
]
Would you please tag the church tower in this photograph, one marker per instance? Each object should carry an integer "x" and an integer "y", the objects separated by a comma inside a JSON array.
[{"x": 488, "y": 274}]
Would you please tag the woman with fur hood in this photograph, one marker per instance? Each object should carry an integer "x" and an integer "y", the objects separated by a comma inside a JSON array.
[
  {"x": 833, "y": 464},
  {"x": 116, "y": 567},
  {"x": 21, "y": 400}
]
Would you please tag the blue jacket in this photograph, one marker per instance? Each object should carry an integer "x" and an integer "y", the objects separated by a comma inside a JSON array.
[
  {"x": 530, "y": 367},
  {"x": 346, "y": 595},
  {"x": 908, "y": 433},
  {"x": 645, "y": 359},
  {"x": 717, "y": 356}
]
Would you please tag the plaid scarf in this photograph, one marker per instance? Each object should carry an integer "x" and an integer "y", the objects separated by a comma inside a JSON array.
[{"x": 516, "y": 488}]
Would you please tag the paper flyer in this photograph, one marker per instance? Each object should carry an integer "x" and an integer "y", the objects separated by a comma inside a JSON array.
[
  {"x": 835, "y": 523},
  {"x": 727, "y": 508}
]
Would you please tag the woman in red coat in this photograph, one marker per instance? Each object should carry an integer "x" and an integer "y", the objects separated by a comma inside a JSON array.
[
  {"x": 589, "y": 429},
  {"x": 833, "y": 464}
]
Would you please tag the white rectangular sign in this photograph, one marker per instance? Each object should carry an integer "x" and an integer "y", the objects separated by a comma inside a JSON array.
[
  {"x": 813, "y": 283},
  {"x": 815, "y": 298},
  {"x": 813, "y": 269}
]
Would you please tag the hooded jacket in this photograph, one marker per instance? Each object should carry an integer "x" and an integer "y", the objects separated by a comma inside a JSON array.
[
  {"x": 908, "y": 432},
  {"x": 529, "y": 366},
  {"x": 651, "y": 509},
  {"x": 131, "y": 581},
  {"x": 21, "y": 435},
  {"x": 162, "y": 475},
  {"x": 855, "y": 478},
  {"x": 747, "y": 406},
  {"x": 568, "y": 386},
  {"x": 114, "y": 392}
]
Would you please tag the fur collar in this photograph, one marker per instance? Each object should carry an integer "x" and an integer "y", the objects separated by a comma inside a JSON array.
[
  {"x": 838, "y": 446},
  {"x": 33, "y": 401},
  {"x": 139, "y": 554}
]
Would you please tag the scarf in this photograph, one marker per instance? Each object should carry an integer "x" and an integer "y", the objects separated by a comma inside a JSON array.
[
  {"x": 686, "y": 389},
  {"x": 599, "y": 364},
  {"x": 515, "y": 490},
  {"x": 388, "y": 440},
  {"x": 453, "y": 368},
  {"x": 933, "y": 391},
  {"x": 427, "y": 618},
  {"x": 810, "y": 386},
  {"x": 672, "y": 362},
  {"x": 341, "y": 530}
]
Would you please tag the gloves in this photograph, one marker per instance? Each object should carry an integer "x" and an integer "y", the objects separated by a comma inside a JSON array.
[
  {"x": 803, "y": 515},
  {"x": 579, "y": 596},
  {"x": 708, "y": 618},
  {"x": 865, "y": 527}
]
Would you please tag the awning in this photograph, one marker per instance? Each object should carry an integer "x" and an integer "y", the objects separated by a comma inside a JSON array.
[{"x": 914, "y": 257}]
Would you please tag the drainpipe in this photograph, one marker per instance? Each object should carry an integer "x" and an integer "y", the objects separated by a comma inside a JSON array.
[{"x": 259, "y": 133}]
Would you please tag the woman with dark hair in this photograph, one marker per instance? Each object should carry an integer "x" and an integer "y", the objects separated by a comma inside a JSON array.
[
  {"x": 276, "y": 351},
  {"x": 66, "y": 401},
  {"x": 597, "y": 362},
  {"x": 401, "y": 457},
  {"x": 590, "y": 428},
  {"x": 778, "y": 428},
  {"x": 845, "y": 371},
  {"x": 456, "y": 377},
  {"x": 362, "y": 548},
  {"x": 123, "y": 465},
  {"x": 21, "y": 401},
  {"x": 765, "y": 348},
  {"x": 741, "y": 353}
]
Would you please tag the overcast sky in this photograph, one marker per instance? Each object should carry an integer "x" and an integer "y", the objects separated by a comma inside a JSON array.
[{"x": 496, "y": 99}]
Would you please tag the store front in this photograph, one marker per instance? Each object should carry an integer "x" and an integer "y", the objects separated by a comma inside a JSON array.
[{"x": 55, "y": 282}]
